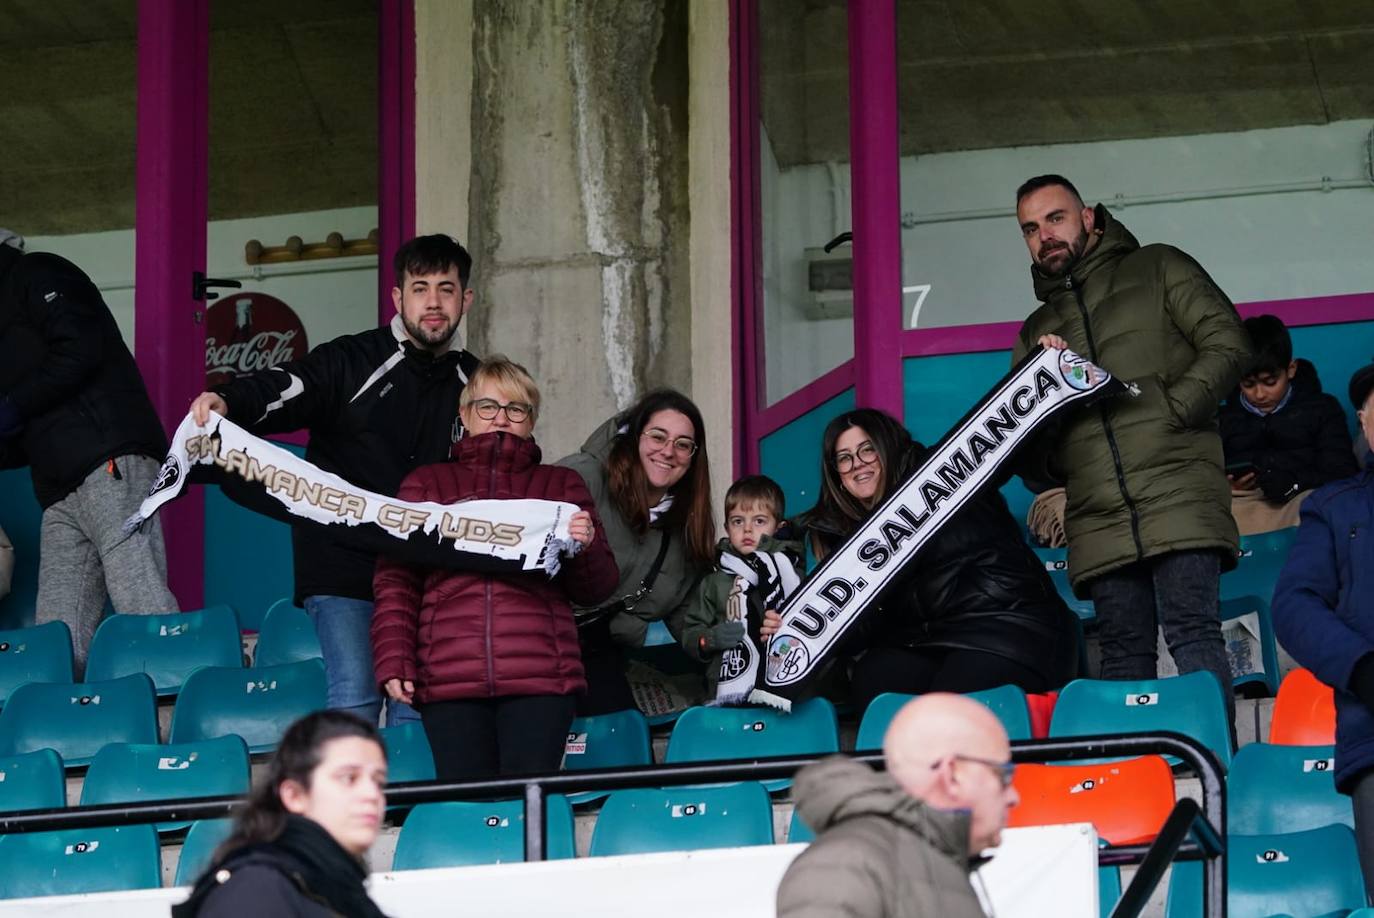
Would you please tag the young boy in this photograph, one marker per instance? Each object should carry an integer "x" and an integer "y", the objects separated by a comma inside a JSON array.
[
  {"x": 717, "y": 620},
  {"x": 1280, "y": 433}
]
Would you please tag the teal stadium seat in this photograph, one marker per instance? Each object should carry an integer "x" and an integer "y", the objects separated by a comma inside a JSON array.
[
  {"x": 1261, "y": 558},
  {"x": 1242, "y": 674},
  {"x": 128, "y": 773},
  {"x": 798, "y": 831},
  {"x": 79, "y": 861},
  {"x": 166, "y": 647},
  {"x": 683, "y": 819},
  {"x": 1191, "y": 704},
  {"x": 619, "y": 739},
  {"x": 258, "y": 704},
  {"x": 1008, "y": 702},
  {"x": 408, "y": 756},
  {"x": 704, "y": 734},
  {"x": 32, "y": 781},
  {"x": 460, "y": 834},
  {"x": 75, "y": 719},
  {"x": 1056, "y": 561},
  {"x": 287, "y": 635},
  {"x": 1108, "y": 890},
  {"x": 1311, "y": 873},
  {"x": 1275, "y": 789},
  {"x": 198, "y": 847},
  {"x": 42, "y": 653}
]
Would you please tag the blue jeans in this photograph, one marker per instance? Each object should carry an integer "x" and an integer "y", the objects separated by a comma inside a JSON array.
[
  {"x": 1179, "y": 591},
  {"x": 344, "y": 628}
]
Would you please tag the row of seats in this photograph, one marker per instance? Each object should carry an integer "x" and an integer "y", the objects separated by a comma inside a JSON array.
[{"x": 168, "y": 647}]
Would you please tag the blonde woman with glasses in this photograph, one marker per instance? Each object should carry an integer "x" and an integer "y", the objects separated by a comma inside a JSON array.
[{"x": 491, "y": 661}]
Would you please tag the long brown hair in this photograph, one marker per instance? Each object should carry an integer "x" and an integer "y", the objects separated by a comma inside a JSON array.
[
  {"x": 263, "y": 816},
  {"x": 692, "y": 512},
  {"x": 836, "y": 510}
]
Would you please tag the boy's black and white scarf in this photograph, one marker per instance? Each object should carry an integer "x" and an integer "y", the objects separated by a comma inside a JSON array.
[
  {"x": 763, "y": 580},
  {"x": 958, "y": 468},
  {"x": 480, "y": 535}
]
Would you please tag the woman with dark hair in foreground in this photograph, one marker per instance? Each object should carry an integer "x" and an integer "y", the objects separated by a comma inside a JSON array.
[{"x": 297, "y": 846}]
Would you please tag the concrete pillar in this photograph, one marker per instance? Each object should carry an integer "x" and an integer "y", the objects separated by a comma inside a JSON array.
[{"x": 579, "y": 215}]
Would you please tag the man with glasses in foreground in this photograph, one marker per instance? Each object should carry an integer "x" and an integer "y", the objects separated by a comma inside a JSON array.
[
  {"x": 905, "y": 842},
  {"x": 378, "y": 404}
]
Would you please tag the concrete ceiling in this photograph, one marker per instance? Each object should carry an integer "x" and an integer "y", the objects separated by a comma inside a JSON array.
[
  {"x": 293, "y": 123},
  {"x": 978, "y": 74}
]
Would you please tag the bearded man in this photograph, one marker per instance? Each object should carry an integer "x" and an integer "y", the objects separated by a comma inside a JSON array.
[{"x": 1148, "y": 515}]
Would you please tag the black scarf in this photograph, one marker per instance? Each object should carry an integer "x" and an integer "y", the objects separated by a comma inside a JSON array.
[{"x": 310, "y": 858}]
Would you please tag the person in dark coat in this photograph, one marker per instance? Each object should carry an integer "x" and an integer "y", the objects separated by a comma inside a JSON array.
[
  {"x": 1324, "y": 616},
  {"x": 1280, "y": 432},
  {"x": 297, "y": 846},
  {"x": 492, "y": 661},
  {"x": 973, "y": 610},
  {"x": 74, "y": 409}
]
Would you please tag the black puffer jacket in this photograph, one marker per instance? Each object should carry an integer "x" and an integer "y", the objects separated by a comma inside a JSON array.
[
  {"x": 377, "y": 408},
  {"x": 975, "y": 586},
  {"x": 1303, "y": 445},
  {"x": 84, "y": 402}
]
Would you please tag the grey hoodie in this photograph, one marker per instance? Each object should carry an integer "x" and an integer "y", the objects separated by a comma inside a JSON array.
[
  {"x": 878, "y": 853},
  {"x": 634, "y": 554}
]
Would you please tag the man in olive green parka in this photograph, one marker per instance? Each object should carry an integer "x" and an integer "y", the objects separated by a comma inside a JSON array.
[{"x": 1148, "y": 517}]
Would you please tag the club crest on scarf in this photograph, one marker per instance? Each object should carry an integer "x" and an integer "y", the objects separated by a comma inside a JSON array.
[{"x": 763, "y": 581}]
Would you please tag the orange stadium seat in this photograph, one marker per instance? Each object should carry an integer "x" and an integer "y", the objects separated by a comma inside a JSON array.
[
  {"x": 1304, "y": 712},
  {"x": 1127, "y": 801}
]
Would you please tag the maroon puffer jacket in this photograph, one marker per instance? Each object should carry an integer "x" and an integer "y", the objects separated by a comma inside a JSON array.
[{"x": 460, "y": 634}]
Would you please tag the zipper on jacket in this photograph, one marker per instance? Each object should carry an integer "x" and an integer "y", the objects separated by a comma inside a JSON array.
[
  {"x": 491, "y": 492},
  {"x": 1106, "y": 425}
]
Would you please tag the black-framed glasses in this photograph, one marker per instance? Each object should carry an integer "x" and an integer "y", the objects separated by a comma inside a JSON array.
[
  {"x": 866, "y": 454},
  {"x": 1005, "y": 771},
  {"x": 488, "y": 408},
  {"x": 683, "y": 446}
]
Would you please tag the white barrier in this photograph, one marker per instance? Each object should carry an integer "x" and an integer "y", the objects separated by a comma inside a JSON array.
[{"x": 1051, "y": 870}]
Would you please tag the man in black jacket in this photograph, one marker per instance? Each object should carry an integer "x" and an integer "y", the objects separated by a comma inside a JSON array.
[
  {"x": 74, "y": 409},
  {"x": 378, "y": 404}
]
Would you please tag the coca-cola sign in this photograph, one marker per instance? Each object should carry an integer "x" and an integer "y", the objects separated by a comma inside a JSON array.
[{"x": 250, "y": 332}]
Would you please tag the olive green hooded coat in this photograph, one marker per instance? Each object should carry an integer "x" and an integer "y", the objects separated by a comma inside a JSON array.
[{"x": 1144, "y": 475}]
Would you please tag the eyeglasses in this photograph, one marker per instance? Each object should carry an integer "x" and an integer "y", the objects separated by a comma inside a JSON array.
[
  {"x": 488, "y": 408},
  {"x": 683, "y": 446},
  {"x": 1006, "y": 771},
  {"x": 864, "y": 455}
]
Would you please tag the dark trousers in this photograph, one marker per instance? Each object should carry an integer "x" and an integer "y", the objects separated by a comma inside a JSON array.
[
  {"x": 482, "y": 738},
  {"x": 915, "y": 672},
  {"x": 1362, "y": 799},
  {"x": 1180, "y": 591},
  {"x": 604, "y": 662}
]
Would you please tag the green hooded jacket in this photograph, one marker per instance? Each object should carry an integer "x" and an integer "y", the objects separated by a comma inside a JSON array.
[
  {"x": 635, "y": 554},
  {"x": 1144, "y": 475},
  {"x": 878, "y": 853},
  {"x": 707, "y": 608}
]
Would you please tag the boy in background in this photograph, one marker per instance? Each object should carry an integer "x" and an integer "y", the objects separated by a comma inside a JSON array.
[
  {"x": 751, "y": 555},
  {"x": 1280, "y": 433}
]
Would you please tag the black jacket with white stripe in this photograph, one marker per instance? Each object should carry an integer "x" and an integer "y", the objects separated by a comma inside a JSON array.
[{"x": 377, "y": 407}]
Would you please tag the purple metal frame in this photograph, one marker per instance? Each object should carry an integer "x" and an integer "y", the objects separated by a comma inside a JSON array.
[
  {"x": 746, "y": 221},
  {"x": 173, "y": 74},
  {"x": 395, "y": 140}
]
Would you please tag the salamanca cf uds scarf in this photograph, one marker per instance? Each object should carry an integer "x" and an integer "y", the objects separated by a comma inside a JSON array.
[
  {"x": 479, "y": 535},
  {"x": 844, "y": 587}
]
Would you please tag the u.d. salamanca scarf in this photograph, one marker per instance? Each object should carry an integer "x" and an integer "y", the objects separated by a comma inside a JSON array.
[
  {"x": 844, "y": 587},
  {"x": 482, "y": 535}
]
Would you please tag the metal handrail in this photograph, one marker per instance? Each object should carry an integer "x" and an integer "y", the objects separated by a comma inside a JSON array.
[{"x": 534, "y": 789}]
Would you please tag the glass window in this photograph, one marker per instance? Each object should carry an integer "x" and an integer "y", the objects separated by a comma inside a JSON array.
[{"x": 808, "y": 304}]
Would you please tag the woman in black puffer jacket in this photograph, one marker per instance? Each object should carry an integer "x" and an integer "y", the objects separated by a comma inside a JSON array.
[{"x": 975, "y": 609}]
